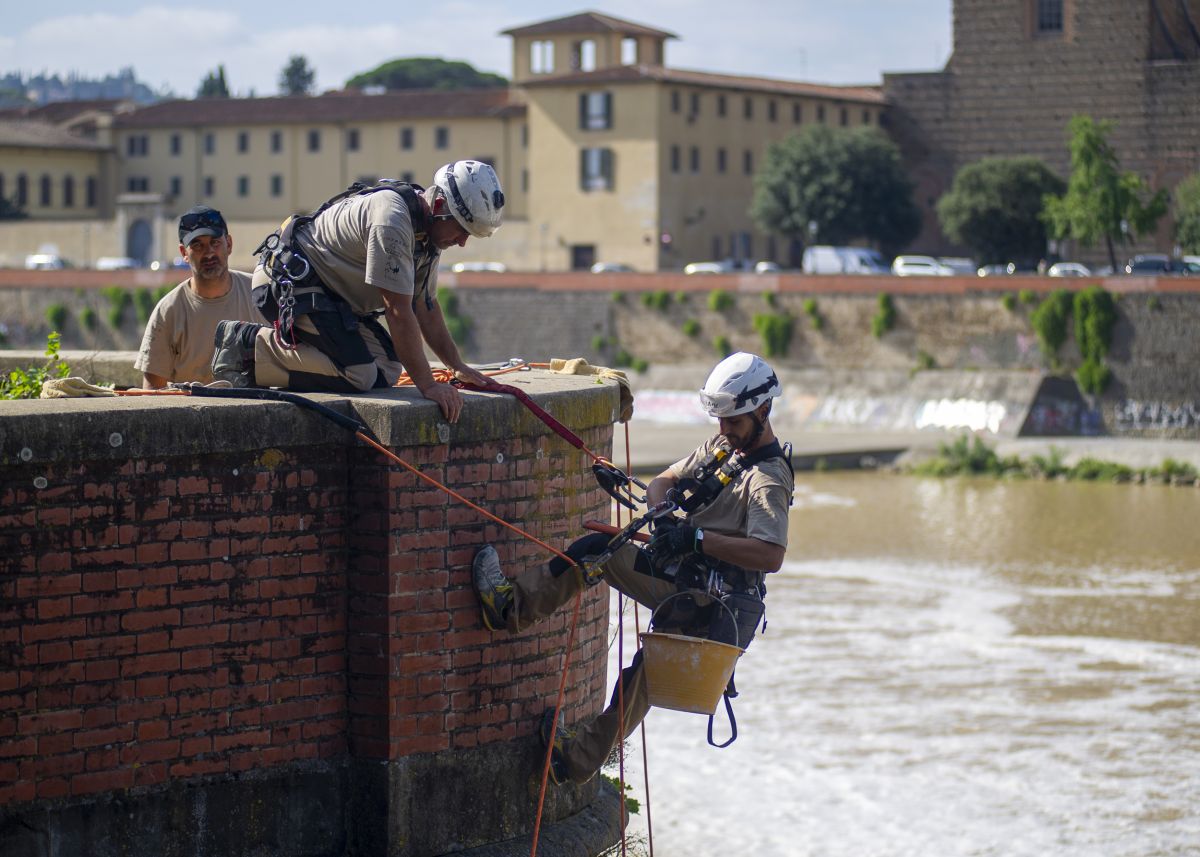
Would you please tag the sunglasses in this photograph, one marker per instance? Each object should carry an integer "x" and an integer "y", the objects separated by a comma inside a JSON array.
[{"x": 203, "y": 220}]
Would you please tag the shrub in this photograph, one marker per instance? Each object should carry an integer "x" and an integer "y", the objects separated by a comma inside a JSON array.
[
  {"x": 1027, "y": 296},
  {"x": 143, "y": 302},
  {"x": 1009, "y": 301},
  {"x": 1153, "y": 304},
  {"x": 618, "y": 297},
  {"x": 27, "y": 383},
  {"x": 691, "y": 327},
  {"x": 457, "y": 325},
  {"x": 813, "y": 313},
  {"x": 118, "y": 300},
  {"x": 1049, "y": 322},
  {"x": 1094, "y": 470},
  {"x": 722, "y": 346},
  {"x": 925, "y": 360},
  {"x": 599, "y": 343},
  {"x": 1095, "y": 315},
  {"x": 87, "y": 318},
  {"x": 659, "y": 299},
  {"x": 776, "y": 332},
  {"x": 885, "y": 315},
  {"x": 56, "y": 316},
  {"x": 639, "y": 365},
  {"x": 720, "y": 300},
  {"x": 769, "y": 299}
]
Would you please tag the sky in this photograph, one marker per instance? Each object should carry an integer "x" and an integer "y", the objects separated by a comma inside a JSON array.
[{"x": 174, "y": 47}]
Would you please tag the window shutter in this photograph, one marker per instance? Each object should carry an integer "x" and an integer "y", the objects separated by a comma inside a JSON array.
[
  {"x": 606, "y": 168},
  {"x": 583, "y": 111}
]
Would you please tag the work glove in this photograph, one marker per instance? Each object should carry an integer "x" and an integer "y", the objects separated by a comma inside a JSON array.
[{"x": 675, "y": 542}]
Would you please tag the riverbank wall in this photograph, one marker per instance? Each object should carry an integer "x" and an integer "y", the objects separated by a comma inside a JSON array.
[
  {"x": 229, "y": 628},
  {"x": 942, "y": 329}
]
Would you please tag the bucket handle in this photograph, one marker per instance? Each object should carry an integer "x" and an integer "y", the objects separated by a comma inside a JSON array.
[{"x": 725, "y": 607}]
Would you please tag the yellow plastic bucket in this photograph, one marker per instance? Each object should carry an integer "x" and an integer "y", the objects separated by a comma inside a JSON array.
[{"x": 686, "y": 673}]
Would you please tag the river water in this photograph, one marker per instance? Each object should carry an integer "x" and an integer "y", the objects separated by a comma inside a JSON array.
[{"x": 955, "y": 667}]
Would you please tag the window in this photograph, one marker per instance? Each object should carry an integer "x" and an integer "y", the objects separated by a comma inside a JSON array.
[
  {"x": 406, "y": 138},
  {"x": 210, "y": 186},
  {"x": 314, "y": 140},
  {"x": 866, "y": 117},
  {"x": 675, "y": 159},
  {"x": 583, "y": 55},
  {"x": 137, "y": 145},
  {"x": 748, "y": 107},
  {"x": 2, "y": 188},
  {"x": 596, "y": 169},
  {"x": 720, "y": 105},
  {"x": 629, "y": 51},
  {"x": 22, "y": 190},
  {"x": 716, "y": 247},
  {"x": 771, "y": 110},
  {"x": 821, "y": 113},
  {"x": 1049, "y": 18},
  {"x": 68, "y": 192},
  {"x": 47, "y": 194},
  {"x": 694, "y": 159},
  {"x": 243, "y": 186},
  {"x": 441, "y": 137},
  {"x": 352, "y": 140},
  {"x": 675, "y": 102},
  {"x": 721, "y": 160},
  {"x": 276, "y": 185},
  {"x": 694, "y": 105},
  {"x": 176, "y": 144},
  {"x": 797, "y": 113},
  {"x": 844, "y": 116},
  {"x": 541, "y": 57},
  {"x": 525, "y": 181},
  {"x": 243, "y": 141},
  {"x": 210, "y": 144},
  {"x": 176, "y": 186},
  {"x": 90, "y": 190},
  {"x": 524, "y": 136},
  {"x": 138, "y": 184},
  {"x": 748, "y": 162},
  {"x": 276, "y": 142},
  {"x": 595, "y": 110}
]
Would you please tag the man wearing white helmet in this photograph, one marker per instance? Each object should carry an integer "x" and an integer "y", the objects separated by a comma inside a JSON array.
[
  {"x": 738, "y": 530},
  {"x": 326, "y": 279}
]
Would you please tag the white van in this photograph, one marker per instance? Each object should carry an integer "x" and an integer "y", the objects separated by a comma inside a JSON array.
[{"x": 824, "y": 259}]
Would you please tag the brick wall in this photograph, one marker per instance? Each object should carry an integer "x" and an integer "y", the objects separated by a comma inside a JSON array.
[{"x": 229, "y": 596}]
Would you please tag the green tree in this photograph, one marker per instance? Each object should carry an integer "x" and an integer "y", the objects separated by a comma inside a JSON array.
[
  {"x": 849, "y": 184},
  {"x": 1187, "y": 214},
  {"x": 214, "y": 85},
  {"x": 297, "y": 78},
  {"x": 994, "y": 207},
  {"x": 426, "y": 73},
  {"x": 1101, "y": 202}
]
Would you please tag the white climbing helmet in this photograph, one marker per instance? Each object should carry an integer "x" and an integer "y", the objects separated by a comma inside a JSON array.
[
  {"x": 739, "y": 384},
  {"x": 473, "y": 195}
]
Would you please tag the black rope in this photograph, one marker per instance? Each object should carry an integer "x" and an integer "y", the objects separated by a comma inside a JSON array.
[{"x": 270, "y": 395}]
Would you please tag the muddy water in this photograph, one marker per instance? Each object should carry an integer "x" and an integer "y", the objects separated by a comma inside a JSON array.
[{"x": 957, "y": 668}]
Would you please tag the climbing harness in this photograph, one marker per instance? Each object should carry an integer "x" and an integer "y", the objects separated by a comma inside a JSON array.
[{"x": 293, "y": 288}]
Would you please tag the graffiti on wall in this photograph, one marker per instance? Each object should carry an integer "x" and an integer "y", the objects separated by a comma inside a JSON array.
[{"x": 1137, "y": 414}]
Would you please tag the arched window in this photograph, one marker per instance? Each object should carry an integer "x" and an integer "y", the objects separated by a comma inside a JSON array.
[
  {"x": 68, "y": 191},
  {"x": 46, "y": 194}
]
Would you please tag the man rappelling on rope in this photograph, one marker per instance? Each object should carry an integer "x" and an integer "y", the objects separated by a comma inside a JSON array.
[
  {"x": 326, "y": 278},
  {"x": 734, "y": 493}
]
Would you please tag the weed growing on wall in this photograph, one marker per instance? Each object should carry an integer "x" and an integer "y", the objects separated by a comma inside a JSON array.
[
  {"x": 1095, "y": 315},
  {"x": 1049, "y": 322},
  {"x": 691, "y": 327},
  {"x": 618, "y": 297},
  {"x": 87, "y": 319},
  {"x": 56, "y": 316},
  {"x": 1009, "y": 302},
  {"x": 719, "y": 300},
  {"x": 769, "y": 299},
  {"x": 143, "y": 302},
  {"x": 659, "y": 300},
  {"x": 776, "y": 332},
  {"x": 721, "y": 345},
  {"x": 118, "y": 300},
  {"x": 1027, "y": 297},
  {"x": 27, "y": 383},
  {"x": 925, "y": 361},
  {"x": 885, "y": 315},
  {"x": 814, "y": 314},
  {"x": 599, "y": 343},
  {"x": 457, "y": 325}
]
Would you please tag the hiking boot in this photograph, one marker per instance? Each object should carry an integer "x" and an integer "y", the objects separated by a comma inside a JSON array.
[
  {"x": 495, "y": 591},
  {"x": 551, "y": 730},
  {"x": 233, "y": 354}
]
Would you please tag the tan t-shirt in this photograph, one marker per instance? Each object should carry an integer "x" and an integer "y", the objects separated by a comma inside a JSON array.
[
  {"x": 360, "y": 245},
  {"x": 178, "y": 342},
  {"x": 755, "y": 505}
]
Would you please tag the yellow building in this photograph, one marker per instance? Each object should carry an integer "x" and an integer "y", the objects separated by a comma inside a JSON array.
[
  {"x": 51, "y": 173},
  {"x": 605, "y": 153}
]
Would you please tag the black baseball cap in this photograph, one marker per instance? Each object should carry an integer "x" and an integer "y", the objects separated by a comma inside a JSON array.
[{"x": 201, "y": 220}]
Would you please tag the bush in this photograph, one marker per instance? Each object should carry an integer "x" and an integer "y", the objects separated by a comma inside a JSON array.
[
  {"x": 1094, "y": 470},
  {"x": 618, "y": 297},
  {"x": 1049, "y": 322},
  {"x": 1009, "y": 301},
  {"x": 1095, "y": 316},
  {"x": 87, "y": 318},
  {"x": 722, "y": 346},
  {"x": 56, "y": 316},
  {"x": 599, "y": 343},
  {"x": 769, "y": 299},
  {"x": 639, "y": 365},
  {"x": 925, "y": 361},
  {"x": 27, "y": 383},
  {"x": 776, "y": 332},
  {"x": 885, "y": 315},
  {"x": 720, "y": 300},
  {"x": 691, "y": 327},
  {"x": 118, "y": 300},
  {"x": 659, "y": 300},
  {"x": 1027, "y": 296},
  {"x": 458, "y": 325},
  {"x": 143, "y": 302}
]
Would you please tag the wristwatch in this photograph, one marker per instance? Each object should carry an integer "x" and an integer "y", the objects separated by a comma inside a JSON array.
[{"x": 699, "y": 541}]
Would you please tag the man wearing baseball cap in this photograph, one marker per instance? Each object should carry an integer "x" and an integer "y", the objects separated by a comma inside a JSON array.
[{"x": 178, "y": 342}]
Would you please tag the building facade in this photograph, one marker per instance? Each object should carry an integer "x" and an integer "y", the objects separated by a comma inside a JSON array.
[{"x": 1021, "y": 69}]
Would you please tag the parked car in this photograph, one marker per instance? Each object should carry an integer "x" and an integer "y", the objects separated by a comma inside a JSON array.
[
  {"x": 766, "y": 267},
  {"x": 1151, "y": 264},
  {"x": 492, "y": 267},
  {"x": 44, "y": 262},
  {"x": 115, "y": 263},
  {"x": 1001, "y": 270},
  {"x": 610, "y": 268},
  {"x": 705, "y": 268},
  {"x": 919, "y": 266},
  {"x": 1069, "y": 269},
  {"x": 826, "y": 259},
  {"x": 958, "y": 265}
]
